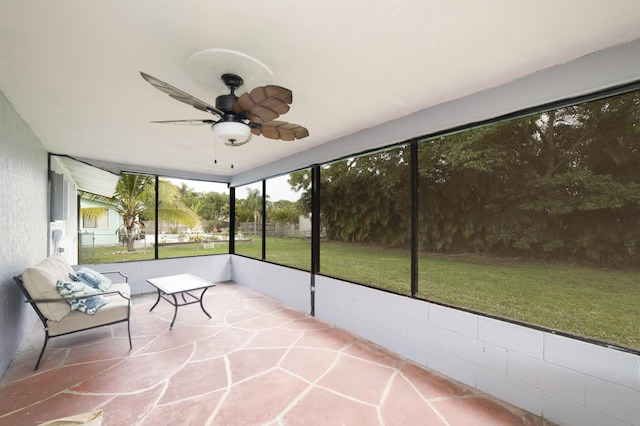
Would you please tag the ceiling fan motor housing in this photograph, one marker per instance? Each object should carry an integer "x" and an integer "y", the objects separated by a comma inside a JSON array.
[
  {"x": 225, "y": 102},
  {"x": 231, "y": 127}
]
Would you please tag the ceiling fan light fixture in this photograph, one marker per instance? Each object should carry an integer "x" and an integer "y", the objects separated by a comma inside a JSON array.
[
  {"x": 236, "y": 118},
  {"x": 232, "y": 133}
]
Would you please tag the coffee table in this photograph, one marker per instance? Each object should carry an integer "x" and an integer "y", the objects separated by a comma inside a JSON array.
[{"x": 171, "y": 286}]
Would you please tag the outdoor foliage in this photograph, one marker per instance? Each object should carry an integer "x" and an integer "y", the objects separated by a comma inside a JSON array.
[
  {"x": 564, "y": 183},
  {"x": 211, "y": 207},
  {"x": 559, "y": 184},
  {"x": 365, "y": 199},
  {"x": 283, "y": 211},
  {"x": 134, "y": 199}
]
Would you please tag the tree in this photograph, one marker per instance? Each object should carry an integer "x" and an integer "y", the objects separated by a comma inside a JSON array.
[
  {"x": 133, "y": 196},
  {"x": 367, "y": 199},
  {"x": 561, "y": 183},
  {"x": 134, "y": 199},
  {"x": 300, "y": 181},
  {"x": 190, "y": 198},
  {"x": 283, "y": 211},
  {"x": 254, "y": 203},
  {"x": 214, "y": 208}
]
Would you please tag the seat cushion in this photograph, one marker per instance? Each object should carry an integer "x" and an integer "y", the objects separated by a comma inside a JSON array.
[{"x": 116, "y": 310}]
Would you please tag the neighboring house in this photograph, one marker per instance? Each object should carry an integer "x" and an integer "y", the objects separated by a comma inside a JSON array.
[{"x": 99, "y": 223}]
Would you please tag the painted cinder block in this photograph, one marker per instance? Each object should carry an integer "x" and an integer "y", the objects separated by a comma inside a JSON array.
[
  {"x": 453, "y": 320},
  {"x": 408, "y": 348},
  {"x": 511, "y": 336},
  {"x": 593, "y": 360},
  {"x": 410, "y": 308},
  {"x": 620, "y": 402},
  {"x": 509, "y": 390},
  {"x": 366, "y": 314},
  {"x": 375, "y": 298},
  {"x": 524, "y": 368},
  {"x": 567, "y": 412},
  {"x": 451, "y": 366},
  {"x": 434, "y": 337},
  {"x": 391, "y": 322},
  {"x": 563, "y": 382},
  {"x": 349, "y": 291},
  {"x": 375, "y": 334},
  {"x": 480, "y": 353},
  {"x": 339, "y": 304}
]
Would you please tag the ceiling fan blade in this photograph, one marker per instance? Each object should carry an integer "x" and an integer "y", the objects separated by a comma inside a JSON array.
[
  {"x": 180, "y": 95},
  {"x": 264, "y": 103},
  {"x": 281, "y": 130},
  {"x": 186, "y": 122}
]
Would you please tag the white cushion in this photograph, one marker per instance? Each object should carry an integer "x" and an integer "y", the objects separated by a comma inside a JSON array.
[{"x": 40, "y": 282}]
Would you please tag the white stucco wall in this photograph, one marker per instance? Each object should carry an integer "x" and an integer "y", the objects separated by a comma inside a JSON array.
[
  {"x": 23, "y": 223},
  {"x": 68, "y": 245}
]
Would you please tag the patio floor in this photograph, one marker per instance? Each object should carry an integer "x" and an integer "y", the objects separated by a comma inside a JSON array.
[{"x": 256, "y": 362}]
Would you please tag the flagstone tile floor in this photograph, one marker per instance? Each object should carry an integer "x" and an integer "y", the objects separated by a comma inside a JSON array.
[{"x": 255, "y": 362}]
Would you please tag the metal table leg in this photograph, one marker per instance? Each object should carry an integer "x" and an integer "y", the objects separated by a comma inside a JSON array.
[
  {"x": 175, "y": 307},
  {"x": 202, "y": 304},
  {"x": 157, "y": 300}
]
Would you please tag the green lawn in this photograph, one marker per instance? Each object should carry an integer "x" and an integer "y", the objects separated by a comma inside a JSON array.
[
  {"x": 592, "y": 302},
  {"x": 107, "y": 254}
]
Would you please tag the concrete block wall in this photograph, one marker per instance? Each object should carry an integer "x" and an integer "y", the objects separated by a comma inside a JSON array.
[
  {"x": 212, "y": 268},
  {"x": 290, "y": 286},
  {"x": 565, "y": 380}
]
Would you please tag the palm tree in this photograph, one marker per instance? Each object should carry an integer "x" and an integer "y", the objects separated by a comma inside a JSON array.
[
  {"x": 173, "y": 208},
  {"x": 134, "y": 199},
  {"x": 133, "y": 196},
  {"x": 254, "y": 203}
]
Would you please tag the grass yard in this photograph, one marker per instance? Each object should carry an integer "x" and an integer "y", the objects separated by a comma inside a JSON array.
[
  {"x": 108, "y": 254},
  {"x": 591, "y": 302},
  {"x": 587, "y": 301}
]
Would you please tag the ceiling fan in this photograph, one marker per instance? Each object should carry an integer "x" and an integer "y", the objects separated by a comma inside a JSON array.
[{"x": 236, "y": 118}]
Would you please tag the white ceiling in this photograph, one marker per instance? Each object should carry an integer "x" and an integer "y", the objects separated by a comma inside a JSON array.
[{"x": 70, "y": 68}]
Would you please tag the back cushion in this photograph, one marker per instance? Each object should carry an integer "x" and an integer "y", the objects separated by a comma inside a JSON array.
[
  {"x": 41, "y": 284},
  {"x": 62, "y": 265}
]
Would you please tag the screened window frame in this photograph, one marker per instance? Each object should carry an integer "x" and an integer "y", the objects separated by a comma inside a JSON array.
[{"x": 413, "y": 142}]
